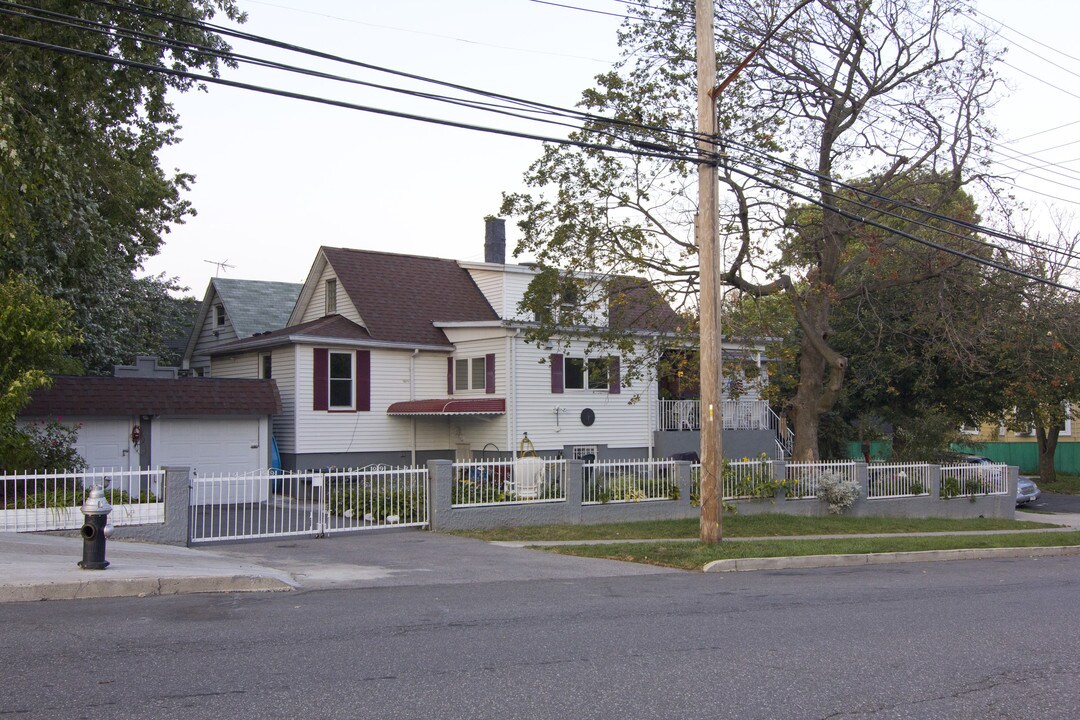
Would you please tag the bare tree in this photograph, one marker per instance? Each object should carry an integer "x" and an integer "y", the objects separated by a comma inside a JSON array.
[{"x": 889, "y": 95}]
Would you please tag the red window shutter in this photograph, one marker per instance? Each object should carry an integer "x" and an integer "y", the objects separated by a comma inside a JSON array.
[
  {"x": 450, "y": 376},
  {"x": 489, "y": 373},
  {"x": 556, "y": 372},
  {"x": 614, "y": 375},
  {"x": 363, "y": 380},
  {"x": 321, "y": 379}
]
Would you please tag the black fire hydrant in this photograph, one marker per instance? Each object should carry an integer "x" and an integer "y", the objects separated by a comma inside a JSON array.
[{"x": 95, "y": 530}]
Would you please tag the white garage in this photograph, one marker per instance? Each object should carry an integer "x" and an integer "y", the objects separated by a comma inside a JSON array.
[
  {"x": 146, "y": 417},
  {"x": 211, "y": 446}
]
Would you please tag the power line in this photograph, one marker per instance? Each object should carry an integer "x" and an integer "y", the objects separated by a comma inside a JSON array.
[
  {"x": 427, "y": 34},
  {"x": 668, "y": 153}
]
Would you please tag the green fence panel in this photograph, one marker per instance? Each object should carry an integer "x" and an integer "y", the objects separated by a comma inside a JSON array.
[
  {"x": 879, "y": 450},
  {"x": 1026, "y": 456}
]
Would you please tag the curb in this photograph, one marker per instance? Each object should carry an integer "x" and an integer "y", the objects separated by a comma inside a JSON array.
[
  {"x": 820, "y": 561},
  {"x": 141, "y": 587}
]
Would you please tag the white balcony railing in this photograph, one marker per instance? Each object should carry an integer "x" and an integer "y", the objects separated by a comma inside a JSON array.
[{"x": 737, "y": 414}]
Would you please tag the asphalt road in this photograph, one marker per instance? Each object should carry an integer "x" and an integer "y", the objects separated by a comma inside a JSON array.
[
  {"x": 1052, "y": 502},
  {"x": 983, "y": 639}
]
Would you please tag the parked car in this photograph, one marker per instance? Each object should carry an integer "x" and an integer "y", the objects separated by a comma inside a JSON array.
[{"x": 1026, "y": 491}]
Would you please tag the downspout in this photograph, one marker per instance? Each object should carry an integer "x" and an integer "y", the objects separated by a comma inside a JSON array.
[
  {"x": 511, "y": 396},
  {"x": 652, "y": 409},
  {"x": 412, "y": 396}
]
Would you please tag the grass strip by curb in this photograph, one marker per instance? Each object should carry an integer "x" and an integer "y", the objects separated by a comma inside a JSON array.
[
  {"x": 694, "y": 556},
  {"x": 763, "y": 525}
]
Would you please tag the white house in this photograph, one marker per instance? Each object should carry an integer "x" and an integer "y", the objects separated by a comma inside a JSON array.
[{"x": 390, "y": 358}]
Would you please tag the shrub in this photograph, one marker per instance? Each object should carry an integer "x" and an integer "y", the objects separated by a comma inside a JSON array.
[
  {"x": 838, "y": 493},
  {"x": 40, "y": 446}
]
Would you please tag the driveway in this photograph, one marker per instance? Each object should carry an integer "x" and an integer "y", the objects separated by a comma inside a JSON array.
[
  {"x": 411, "y": 557},
  {"x": 1054, "y": 502}
]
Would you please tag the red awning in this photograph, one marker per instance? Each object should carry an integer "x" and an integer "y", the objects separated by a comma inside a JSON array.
[{"x": 465, "y": 406}]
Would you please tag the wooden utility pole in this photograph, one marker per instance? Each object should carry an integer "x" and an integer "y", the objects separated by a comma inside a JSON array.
[{"x": 707, "y": 229}]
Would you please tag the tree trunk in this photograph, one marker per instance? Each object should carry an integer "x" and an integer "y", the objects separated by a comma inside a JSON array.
[
  {"x": 804, "y": 405},
  {"x": 1046, "y": 441},
  {"x": 821, "y": 376}
]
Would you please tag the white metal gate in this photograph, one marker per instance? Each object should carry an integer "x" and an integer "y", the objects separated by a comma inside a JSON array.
[{"x": 266, "y": 504}]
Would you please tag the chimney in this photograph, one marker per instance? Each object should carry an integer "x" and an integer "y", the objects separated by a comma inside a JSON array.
[{"x": 495, "y": 240}]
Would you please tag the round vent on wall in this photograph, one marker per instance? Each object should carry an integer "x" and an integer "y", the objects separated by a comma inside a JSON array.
[{"x": 588, "y": 417}]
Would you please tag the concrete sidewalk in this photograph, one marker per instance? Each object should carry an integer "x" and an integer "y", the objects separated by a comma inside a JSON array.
[{"x": 44, "y": 567}]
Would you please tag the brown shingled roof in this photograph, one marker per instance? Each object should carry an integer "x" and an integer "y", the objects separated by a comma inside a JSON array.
[
  {"x": 400, "y": 296},
  {"x": 112, "y": 396},
  {"x": 634, "y": 304},
  {"x": 331, "y": 326}
]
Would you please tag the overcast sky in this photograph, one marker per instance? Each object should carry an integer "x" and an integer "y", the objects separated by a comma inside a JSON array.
[{"x": 277, "y": 178}]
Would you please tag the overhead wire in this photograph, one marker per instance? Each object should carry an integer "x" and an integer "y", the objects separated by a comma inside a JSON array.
[{"x": 668, "y": 153}]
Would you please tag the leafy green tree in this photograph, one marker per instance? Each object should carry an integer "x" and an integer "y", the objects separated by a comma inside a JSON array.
[
  {"x": 1036, "y": 356},
  {"x": 83, "y": 198},
  {"x": 35, "y": 333},
  {"x": 893, "y": 93}
]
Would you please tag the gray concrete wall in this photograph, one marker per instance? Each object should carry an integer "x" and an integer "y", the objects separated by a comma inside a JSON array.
[
  {"x": 175, "y": 529},
  {"x": 563, "y": 512},
  {"x": 930, "y": 505},
  {"x": 572, "y": 511}
]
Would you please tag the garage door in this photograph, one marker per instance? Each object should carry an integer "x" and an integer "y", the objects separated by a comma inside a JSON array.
[
  {"x": 105, "y": 444},
  {"x": 209, "y": 447}
]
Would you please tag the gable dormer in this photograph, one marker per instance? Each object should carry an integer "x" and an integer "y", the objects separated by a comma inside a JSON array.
[{"x": 324, "y": 294}]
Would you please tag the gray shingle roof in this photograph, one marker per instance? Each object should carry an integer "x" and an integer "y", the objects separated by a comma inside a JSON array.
[{"x": 256, "y": 306}]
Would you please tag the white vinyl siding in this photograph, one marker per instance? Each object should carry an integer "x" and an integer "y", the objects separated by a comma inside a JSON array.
[
  {"x": 503, "y": 289},
  {"x": 618, "y": 422},
  {"x": 323, "y": 432},
  {"x": 285, "y": 377},
  {"x": 316, "y": 304},
  {"x": 236, "y": 366},
  {"x": 211, "y": 335}
]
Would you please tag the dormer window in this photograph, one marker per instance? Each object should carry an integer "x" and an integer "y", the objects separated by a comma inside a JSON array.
[
  {"x": 219, "y": 315},
  {"x": 331, "y": 296}
]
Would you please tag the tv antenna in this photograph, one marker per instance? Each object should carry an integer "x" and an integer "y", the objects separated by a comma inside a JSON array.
[{"x": 221, "y": 266}]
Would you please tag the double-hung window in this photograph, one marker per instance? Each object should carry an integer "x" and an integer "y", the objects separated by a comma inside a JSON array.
[
  {"x": 341, "y": 381},
  {"x": 581, "y": 373},
  {"x": 476, "y": 373}
]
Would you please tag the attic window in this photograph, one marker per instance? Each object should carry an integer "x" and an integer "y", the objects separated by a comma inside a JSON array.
[
  {"x": 331, "y": 296},
  {"x": 219, "y": 315}
]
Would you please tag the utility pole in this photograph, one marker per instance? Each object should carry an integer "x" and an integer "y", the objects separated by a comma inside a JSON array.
[{"x": 707, "y": 229}]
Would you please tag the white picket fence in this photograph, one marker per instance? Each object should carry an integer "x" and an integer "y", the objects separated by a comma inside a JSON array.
[
  {"x": 803, "y": 478},
  {"x": 894, "y": 480},
  {"x": 615, "y": 481},
  {"x": 51, "y": 500},
  {"x": 974, "y": 480},
  {"x": 279, "y": 504},
  {"x": 507, "y": 482}
]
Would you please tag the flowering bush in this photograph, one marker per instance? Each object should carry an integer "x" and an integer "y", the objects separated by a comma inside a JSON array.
[
  {"x": 838, "y": 493},
  {"x": 41, "y": 446}
]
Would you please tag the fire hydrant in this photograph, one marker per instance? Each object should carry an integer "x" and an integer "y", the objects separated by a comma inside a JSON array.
[{"x": 95, "y": 529}]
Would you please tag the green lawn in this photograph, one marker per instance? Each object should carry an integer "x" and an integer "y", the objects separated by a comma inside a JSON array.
[
  {"x": 1065, "y": 484},
  {"x": 768, "y": 525},
  {"x": 694, "y": 556}
]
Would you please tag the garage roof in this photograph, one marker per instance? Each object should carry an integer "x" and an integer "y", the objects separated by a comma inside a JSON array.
[{"x": 112, "y": 396}]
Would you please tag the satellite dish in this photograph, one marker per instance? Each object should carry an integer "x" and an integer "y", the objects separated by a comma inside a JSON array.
[{"x": 588, "y": 417}]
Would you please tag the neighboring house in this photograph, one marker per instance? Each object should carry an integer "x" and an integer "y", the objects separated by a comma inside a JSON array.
[
  {"x": 233, "y": 310},
  {"x": 1018, "y": 447},
  {"x": 397, "y": 359},
  {"x": 145, "y": 416}
]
